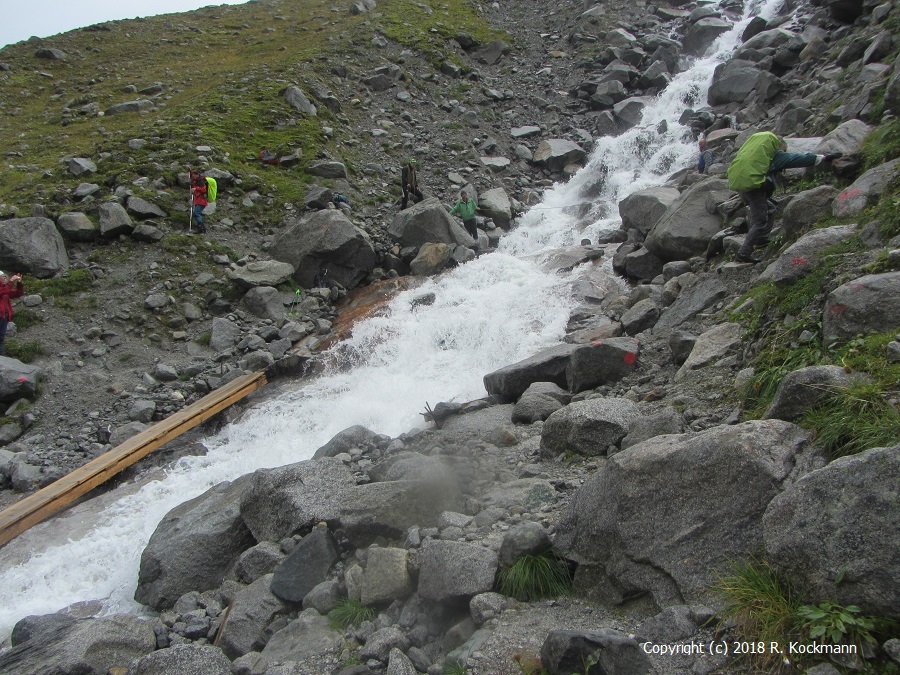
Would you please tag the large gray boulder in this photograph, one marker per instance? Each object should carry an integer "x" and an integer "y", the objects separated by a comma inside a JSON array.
[
  {"x": 869, "y": 304},
  {"x": 734, "y": 81},
  {"x": 603, "y": 361},
  {"x": 663, "y": 517},
  {"x": 549, "y": 365},
  {"x": 224, "y": 334},
  {"x": 279, "y": 502},
  {"x": 303, "y": 639},
  {"x": 556, "y": 153},
  {"x": 431, "y": 259},
  {"x": 186, "y": 658},
  {"x": 386, "y": 577},
  {"x": 141, "y": 208},
  {"x": 711, "y": 346},
  {"x": 692, "y": 300},
  {"x": 32, "y": 245},
  {"x": 428, "y": 222},
  {"x": 539, "y": 401},
  {"x": 265, "y": 302},
  {"x": 76, "y": 226},
  {"x": 641, "y": 210},
  {"x": 261, "y": 273},
  {"x": 588, "y": 427},
  {"x": 297, "y": 100},
  {"x": 865, "y": 190},
  {"x": 326, "y": 240},
  {"x": 306, "y": 566},
  {"x": 808, "y": 208},
  {"x": 687, "y": 225},
  {"x": 252, "y": 610},
  {"x": 495, "y": 204},
  {"x": 806, "y": 388},
  {"x": 846, "y": 138},
  {"x": 388, "y": 509},
  {"x": 834, "y": 535},
  {"x": 451, "y": 571},
  {"x": 193, "y": 546},
  {"x": 68, "y": 645},
  {"x": 18, "y": 380},
  {"x": 566, "y": 651},
  {"x": 114, "y": 220},
  {"x": 701, "y": 34},
  {"x": 350, "y": 438},
  {"x": 805, "y": 255}
]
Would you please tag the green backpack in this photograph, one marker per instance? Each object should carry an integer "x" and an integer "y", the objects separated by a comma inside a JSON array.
[{"x": 212, "y": 189}]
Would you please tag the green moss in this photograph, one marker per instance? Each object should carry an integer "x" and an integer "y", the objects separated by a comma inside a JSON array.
[
  {"x": 882, "y": 144},
  {"x": 70, "y": 283},
  {"x": 25, "y": 351}
]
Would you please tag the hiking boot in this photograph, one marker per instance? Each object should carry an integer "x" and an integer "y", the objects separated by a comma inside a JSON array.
[{"x": 747, "y": 258}]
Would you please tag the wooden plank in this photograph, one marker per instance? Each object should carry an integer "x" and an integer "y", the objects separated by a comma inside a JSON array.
[{"x": 51, "y": 499}]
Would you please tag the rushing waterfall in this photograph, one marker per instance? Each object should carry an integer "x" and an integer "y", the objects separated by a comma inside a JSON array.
[{"x": 493, "y": 311}]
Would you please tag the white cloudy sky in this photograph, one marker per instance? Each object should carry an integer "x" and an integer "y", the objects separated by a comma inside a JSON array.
[{"x": 20, "y": 19}]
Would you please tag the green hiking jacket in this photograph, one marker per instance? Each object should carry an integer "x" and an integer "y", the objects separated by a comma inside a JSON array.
[
  {"x": 465, "y": 210},
  {"x": 750, "y": 166}
]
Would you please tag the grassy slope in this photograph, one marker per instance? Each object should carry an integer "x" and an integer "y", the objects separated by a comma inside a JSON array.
[{"x": 224, "y": 70}]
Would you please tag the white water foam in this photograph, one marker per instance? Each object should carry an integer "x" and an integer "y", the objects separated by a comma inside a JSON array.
[{"x": 488, "y": 313}]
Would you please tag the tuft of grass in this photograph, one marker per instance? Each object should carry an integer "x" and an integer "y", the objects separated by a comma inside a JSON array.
[
  {"x": 533, "y": 577},
  {"x": 349, "y": 613},
  {"x": 853, "y": 420},
  {"x": 68, "y": 284},
  {"x": 455, "y": 668},
  {"x": 761, "y": 606},
  {"x": 882, "y": 144},
  {"x": 24, "y": 350}
]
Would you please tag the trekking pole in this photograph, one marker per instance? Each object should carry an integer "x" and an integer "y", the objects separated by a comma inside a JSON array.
[{"x": 191, "y": 211}]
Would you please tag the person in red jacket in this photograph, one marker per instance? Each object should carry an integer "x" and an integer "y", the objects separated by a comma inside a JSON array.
[
  {"x": 199, "y": 200},
  {"x": 10, "y": 287}
]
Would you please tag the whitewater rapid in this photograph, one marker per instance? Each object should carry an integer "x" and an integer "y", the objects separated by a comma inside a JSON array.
[{"x": 492, "y": 311}]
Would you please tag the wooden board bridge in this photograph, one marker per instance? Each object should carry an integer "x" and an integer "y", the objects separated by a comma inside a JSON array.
[{"x": 56, "y": 496}]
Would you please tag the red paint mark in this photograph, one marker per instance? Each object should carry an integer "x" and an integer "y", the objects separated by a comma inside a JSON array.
[
  {"x": 630, "y": 357},
  {"x": 798, "y": 261},
  {"x": 849, "y": 193},
  {"x": 858, "y": 287},
  {"x": 597, "y": 342},
  {"x": 837, "y": 309},
  {"x": 22, "y": 379}
]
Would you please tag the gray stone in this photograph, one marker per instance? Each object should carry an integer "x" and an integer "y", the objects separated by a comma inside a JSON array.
[
  {"x": 298, "y": 101},
  {"x": 264, "y": 302},
  {"x": 603, "y": 361},
  {"x": 687, "y": 226},
  {"x": 327, "y": 169},
  {"x": 33, "y": 246},
  {"x": 431, "y": 259},
  {"x": 625, "y": 530},
  {"x": 453, "y": 571},
  {"x": 495, "y": 204},
  {"x": 587, "y": 427},
  {"x": 641, "y": 316},
  {"x": 427, "y": 222},
  {"x": 350, "y": 438},
  {"x": 701, "y": 34},
  {"x": 193, "y": 546},
  {"x": 805, "y": 255},
  {"x": 224, "y": 334},
  {"x": 281, "y": 501},
  {"x": 808, "y": 208},
  {"x": 114, "y": 220},
  {"x": 869, "y": 304},
  {"x": 18, "y": 380},
  {"x": 306, "y": 637},
  {"x": 261, "y": 273},
  {"x": 566, "y": 651},
  {"x": 710, "y": 347},
  {"x": 380, "y": 643},
  {"x": 76, "y": 226},
  {"x": 865, "y": 190},
  {"x": 79, "y": 645},
  {"x": 141, "y": 208},
  {"x": 527, "y": 538},
  {"x": 185, "y": 659},
  {"x": 386, "y": 576},
  {"x": 645, "y": 426},
  {"x": 323, "y": 597},
  {"x": 252, "y": 610},
  {"x": 486, "y": 606},
  {"x": 80, "y": 165},
  {"x": 305, "y": 566},
  {"x": 549, "y": 365},
  {"x": 556, "y": 153},
  {"x": 834, "y": 533},
  {"x": 258, "y": 561},
  {"x": 641, "y": 210}
]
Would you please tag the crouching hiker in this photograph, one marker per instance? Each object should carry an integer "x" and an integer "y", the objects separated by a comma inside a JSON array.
[
  {"x": 10, "y": 287},
  {"x": 465, "y": 209},
  {"x": 752, "y": 174}
]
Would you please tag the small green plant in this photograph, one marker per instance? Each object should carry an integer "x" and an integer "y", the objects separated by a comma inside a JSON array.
[
  {"x": 456, "y": 668},
  {"x": 71, "y": 283},
  {"x": 854, "y": 419},
  {"x": 204, "y": 338},
  {"x": 529, "y": 664},
  {"x": 828, "y": 622},
  {"x": 533, "y": 577},
  {"x": 24, "y": 350},
  {"x": 349, "y": 613},
  {"x": 760, "y": 605}
]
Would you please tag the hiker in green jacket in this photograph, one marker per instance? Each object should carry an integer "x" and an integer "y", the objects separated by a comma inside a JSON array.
[
  {"x": 752, "y": 174},
  {"x": 465, "y": 209}
]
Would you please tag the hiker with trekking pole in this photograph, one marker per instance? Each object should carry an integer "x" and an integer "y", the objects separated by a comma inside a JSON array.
[{"x": 203, "y": 193}]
